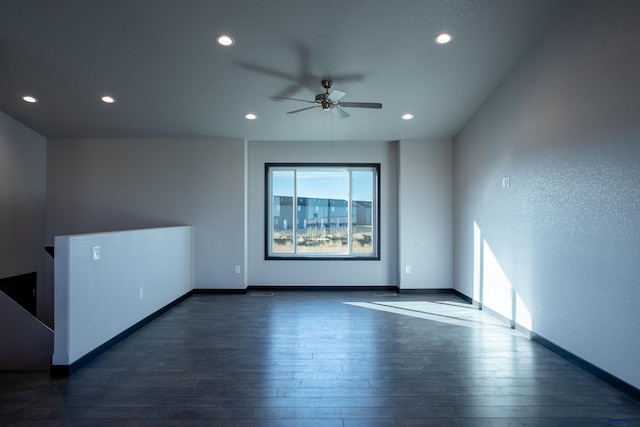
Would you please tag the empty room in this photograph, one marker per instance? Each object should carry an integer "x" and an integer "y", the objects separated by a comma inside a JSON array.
[{"x": 305, "y": 213}]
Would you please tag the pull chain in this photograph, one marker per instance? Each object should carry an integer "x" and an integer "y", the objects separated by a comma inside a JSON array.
[{"x": 331, "y": 126}]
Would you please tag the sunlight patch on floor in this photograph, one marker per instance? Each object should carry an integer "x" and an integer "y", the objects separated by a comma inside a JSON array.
[{"x": 450, "y": 312}]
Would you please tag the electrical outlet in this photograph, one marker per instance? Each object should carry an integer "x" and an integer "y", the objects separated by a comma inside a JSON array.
[
  {"x": 237, "y": 269},
  {"x": 95, "y": 253},
  {"x": 141, "y": 293},
  {"x": 407, "y": 269}
]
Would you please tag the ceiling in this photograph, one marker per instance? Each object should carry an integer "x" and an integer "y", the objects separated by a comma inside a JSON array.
[{"x": 160, "y": 60}]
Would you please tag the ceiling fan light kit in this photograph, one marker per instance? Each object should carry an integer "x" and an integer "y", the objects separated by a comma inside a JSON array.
[{"x": 331, "y": 101}]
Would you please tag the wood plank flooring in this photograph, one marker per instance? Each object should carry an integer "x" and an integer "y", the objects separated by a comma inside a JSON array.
[{"x": 302, "y": 358}]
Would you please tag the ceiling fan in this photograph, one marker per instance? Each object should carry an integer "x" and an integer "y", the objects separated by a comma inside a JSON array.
[{"x": 331, "y": 102}]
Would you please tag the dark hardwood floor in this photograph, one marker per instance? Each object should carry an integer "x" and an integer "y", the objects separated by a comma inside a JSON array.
[{"x": 302, "y": 358}]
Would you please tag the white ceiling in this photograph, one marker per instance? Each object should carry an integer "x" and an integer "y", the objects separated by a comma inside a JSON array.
[{"x": 160, "y": 61}]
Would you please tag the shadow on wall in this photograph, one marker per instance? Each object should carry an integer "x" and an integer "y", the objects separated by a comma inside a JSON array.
[{"x": 492, "y": 288}]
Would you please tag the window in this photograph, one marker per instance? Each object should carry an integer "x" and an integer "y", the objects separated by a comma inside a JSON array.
[{"x": 322, "y": 211}]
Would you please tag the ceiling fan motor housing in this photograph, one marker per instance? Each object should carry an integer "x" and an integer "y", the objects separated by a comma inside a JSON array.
[{"x": 323, "y": 100}]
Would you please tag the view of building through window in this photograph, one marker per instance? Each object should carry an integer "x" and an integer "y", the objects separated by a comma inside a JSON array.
[{"x": 322, "y": 210}]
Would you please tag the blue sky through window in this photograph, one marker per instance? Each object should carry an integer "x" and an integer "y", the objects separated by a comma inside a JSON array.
[{"x": 324, "y": 184}]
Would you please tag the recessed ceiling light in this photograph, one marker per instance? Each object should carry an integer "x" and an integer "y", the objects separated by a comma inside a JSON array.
[
  {"x": 250, "y": 116},
  {"x": 443, "y": 38},
  {"x": 29, "y": 99},
  {"x": 407, "y": 116},
  {"x": 108, "y": 99},
  {"x": 225, "y": 40}
]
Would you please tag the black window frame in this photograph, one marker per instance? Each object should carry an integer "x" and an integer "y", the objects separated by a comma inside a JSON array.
[{"x": 352, "y": 256}]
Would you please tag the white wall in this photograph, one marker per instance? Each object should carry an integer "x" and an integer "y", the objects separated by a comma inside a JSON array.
[
  {"x": 564, "y": 236},
  {"x": 102, "y": 185},
  {"x": 318, "y": 273},
  {"x": 138, "y": 273},
  {"x": 23, "y": 168},
  {"x": 425, "y": 214}
]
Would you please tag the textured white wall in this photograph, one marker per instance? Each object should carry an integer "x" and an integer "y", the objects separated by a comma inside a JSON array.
[
  {"x": 564, "y": 236},
  {"x": 425, "y": 214},
  {"x": 138, "y": 273},
  {"x": 23, "y": 172},
  {"x": 99, "y": 185}
]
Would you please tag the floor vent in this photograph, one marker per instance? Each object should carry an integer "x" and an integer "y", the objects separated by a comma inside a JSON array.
[
  {"x": 386, "y": 294},
  {"x": 261, "y": 294}
]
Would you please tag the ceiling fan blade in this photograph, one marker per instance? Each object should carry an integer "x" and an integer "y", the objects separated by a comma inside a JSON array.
[
  {"x": 295, "y": 99},
  {"x": 340, "y": 112},
  {"x": 336, "y": 95},
  {"x": 302, "y": 109},
  {"x": 360, "y": 104}
]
